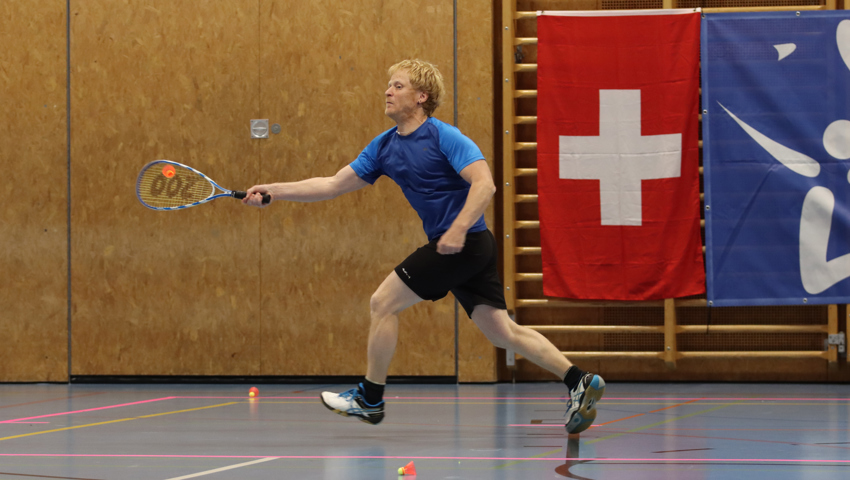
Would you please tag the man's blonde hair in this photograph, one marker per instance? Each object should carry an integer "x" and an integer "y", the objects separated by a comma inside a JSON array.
[{"x": 424, "y": 77}]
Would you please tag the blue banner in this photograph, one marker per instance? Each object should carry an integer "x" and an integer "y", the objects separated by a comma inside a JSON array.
[{"x": 776, "y": 156}]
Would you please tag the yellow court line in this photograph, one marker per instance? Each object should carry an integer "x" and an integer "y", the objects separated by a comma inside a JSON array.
[
  {"x": 660, "y": 423},
  {"x": 117, "y": 421}
]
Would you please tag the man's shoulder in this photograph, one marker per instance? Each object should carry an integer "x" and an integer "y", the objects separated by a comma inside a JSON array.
[
  {"x": 442, "y": 126},
  {"x": 450, "y": 136},
  {"x": 448, "y": 133}
]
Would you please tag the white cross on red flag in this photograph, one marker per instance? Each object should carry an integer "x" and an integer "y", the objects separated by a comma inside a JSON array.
[{"x": 618, "y": 159}]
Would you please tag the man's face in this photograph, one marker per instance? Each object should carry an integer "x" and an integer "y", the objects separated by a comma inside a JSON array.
[{"x": 402, "y": 98}]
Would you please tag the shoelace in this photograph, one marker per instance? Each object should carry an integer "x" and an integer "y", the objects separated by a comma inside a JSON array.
[
  {"x": 573, "y": 399},
  {"x": 349, "y": 394},
  {"x": 569, "y": 406}
]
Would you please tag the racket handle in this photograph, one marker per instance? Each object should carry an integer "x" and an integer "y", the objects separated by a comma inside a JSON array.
[{"x": 240, "y": 195}]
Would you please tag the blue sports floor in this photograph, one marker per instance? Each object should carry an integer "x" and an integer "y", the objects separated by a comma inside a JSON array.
[{"x": 502, "y": 431}]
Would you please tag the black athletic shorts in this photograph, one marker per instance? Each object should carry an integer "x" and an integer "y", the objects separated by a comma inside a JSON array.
[{"x": 471, "y": 275}]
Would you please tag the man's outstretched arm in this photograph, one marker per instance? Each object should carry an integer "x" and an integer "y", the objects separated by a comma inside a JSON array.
[{"x": 309, "y": 190}]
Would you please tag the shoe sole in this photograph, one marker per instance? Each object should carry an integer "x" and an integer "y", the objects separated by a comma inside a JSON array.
[
  {"x": 346, "y": 414},
  {"x": 586, "y": 413}
]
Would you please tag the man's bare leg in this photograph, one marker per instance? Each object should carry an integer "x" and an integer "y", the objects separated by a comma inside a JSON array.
[
  {"x": 586, "y": 389},
  {"x": 387, "y": 302},
  {"x": 365, "y": 401},
  {"x": 503, "y": 332}
]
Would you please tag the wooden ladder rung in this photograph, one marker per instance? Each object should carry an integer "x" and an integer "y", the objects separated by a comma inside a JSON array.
[
  {"x": 548, "y": 302},
  {"x": 525, "y": 41},
  {"x": 532, "y": 224},
  {"x": 525, "y": 93}
]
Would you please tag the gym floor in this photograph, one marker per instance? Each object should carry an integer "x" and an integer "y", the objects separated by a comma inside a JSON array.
[{"x": 501, "y": 431}]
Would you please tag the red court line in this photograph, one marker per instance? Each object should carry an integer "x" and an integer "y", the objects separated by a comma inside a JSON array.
[
  {"x": 559, "y": 425},
  {"x": 311, "y": 397},
  {"x": 736, "y": 399},
  {"x": 653, "y": 411},
  {"x": 398, "y": 457},
  {"x": 672, "y": 399},
  {"x": 52, "y": 399},
  {"x": 619, "y": 419},
  {"x": 728, "y": 439},
  {"x": 86, "y": 410},
  {"x": 690, "y": 400},
  {"x": 688, "y": 429}
]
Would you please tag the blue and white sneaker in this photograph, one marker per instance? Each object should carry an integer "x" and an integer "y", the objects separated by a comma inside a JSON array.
[
  {"x": 581, "y": 409},
  {"x": 351, "y": 403}
]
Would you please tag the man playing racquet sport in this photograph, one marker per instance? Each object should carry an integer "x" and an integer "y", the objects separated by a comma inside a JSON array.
[{"x": 444, "y": 176}]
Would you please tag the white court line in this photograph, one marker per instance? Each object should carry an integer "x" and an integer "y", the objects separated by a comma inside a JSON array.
[{"x": 222, "y": 469}]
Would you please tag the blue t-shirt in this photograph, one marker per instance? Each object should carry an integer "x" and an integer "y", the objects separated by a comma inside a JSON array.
[{"x": 426, "y": 165}]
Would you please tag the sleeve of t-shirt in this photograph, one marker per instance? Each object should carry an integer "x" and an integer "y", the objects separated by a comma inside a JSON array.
[
  {"x": 366, "y": 165},
  {"x": 458, "y": 148}
]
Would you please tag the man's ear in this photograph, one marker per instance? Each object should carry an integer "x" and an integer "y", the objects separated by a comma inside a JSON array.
[{"x": 423, "y": 97}]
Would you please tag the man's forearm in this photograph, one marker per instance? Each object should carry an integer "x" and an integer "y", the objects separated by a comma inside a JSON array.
[
  {"x": 476, "y": 204},
  {"x": 309, "y": 190}
]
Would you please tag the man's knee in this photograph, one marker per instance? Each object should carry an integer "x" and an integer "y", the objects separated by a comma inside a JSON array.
[
  {"x": 384, "y": 302},
  {"x": 391, "y": 297},
  {"x": 378, "y": 304}
]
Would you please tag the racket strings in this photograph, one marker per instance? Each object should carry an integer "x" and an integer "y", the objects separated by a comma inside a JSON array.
[{"x": 165, "y": 185}]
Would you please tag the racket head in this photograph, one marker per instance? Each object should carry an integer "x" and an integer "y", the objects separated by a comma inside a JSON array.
[{"x": 167, "y": 185}]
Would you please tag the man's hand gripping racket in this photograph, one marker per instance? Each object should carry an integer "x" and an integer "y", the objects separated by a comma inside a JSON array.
[{"x": 165, "y": 185}]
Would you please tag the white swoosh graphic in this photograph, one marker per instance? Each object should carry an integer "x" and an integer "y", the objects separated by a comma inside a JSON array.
[
  {"x": 794, "y": 160},
  {"x": 816, "y": 272},
  {"x": 785, "y": 49},
  {"x": 842, "y": 37}
]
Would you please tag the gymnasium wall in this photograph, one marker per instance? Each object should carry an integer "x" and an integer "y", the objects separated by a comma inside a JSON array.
[
  {"x": 34, "y": 180},
  {"x": 221, "y": 289}
]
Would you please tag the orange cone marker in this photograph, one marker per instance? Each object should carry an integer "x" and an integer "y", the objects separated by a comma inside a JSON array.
[{"x": 408, "y": 469}]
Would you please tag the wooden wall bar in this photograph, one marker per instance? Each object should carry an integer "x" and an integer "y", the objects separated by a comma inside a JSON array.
[
  {"x": 629, "y": 340},
  {"x": 33, "y": 219}
]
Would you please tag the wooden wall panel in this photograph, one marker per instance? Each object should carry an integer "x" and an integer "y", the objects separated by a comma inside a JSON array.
[
  {"x": 163, "y": 293},
  {"x": 324, "y": 67},
  {"x": 33, "y": 156},
  {"x": 476, "y": 355}
]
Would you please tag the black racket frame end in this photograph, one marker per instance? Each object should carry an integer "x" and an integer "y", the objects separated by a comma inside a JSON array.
[{"x": 240, "y": 195}]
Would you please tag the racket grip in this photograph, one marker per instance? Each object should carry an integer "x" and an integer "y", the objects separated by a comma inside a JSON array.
[{"x": 240, "y": 195}]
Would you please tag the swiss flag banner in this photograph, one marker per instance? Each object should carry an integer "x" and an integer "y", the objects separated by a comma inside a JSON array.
[{"x": 618, "y": 159}]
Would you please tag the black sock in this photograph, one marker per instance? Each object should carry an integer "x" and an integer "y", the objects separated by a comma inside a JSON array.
[
  {"x": 373, "y": 393},
  {"x": 573, "y": 376}
]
